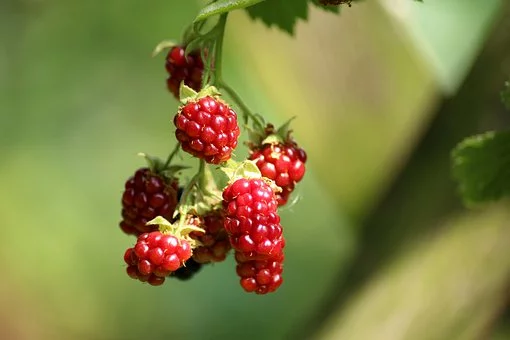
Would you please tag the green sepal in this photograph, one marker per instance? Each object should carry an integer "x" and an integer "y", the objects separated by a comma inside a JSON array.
[
  {"x": 154, "y": 163},
  {"x": 284, "y": 130},
  {"x": 270, "y": 135},
  {"x": 235, "y": 170},
  {"x": 188, "y": 228},
  {"x": 209, "y": 91},
  {"x": 186, "y": 93},
  {"x": 157, "y": 166},
  {"x": 163, "y": 223},
  {"x": 272, "y": 139},
  {"x": 165, "y": 44}
]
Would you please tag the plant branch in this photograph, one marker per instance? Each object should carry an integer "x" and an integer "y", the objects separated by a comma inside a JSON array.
[{"x": 172, "y": 155}]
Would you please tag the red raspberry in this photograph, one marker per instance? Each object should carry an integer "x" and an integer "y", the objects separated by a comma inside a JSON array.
[
  {"x": 207, "y": 128},
  {"x": 261, "y": 277},
  {"x": 155, "y": 256},
  {"x": 251, "y": 219},
  {"x": 181, "y": 68},
  {"x": 146, "y": 196},
  {"x": 215, "y": 243},
  {"x": 284, "y": 163}
]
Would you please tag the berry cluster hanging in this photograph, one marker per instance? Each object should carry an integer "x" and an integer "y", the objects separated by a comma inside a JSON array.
[{"x": 182, "y": 226}]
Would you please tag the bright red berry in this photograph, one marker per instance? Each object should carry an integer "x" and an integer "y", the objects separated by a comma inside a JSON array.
[
  {"x": 155, "y": 256},
  {"x": 251, "y": 219},
  {"x": 284, "y": 163},
  {"x": 146, "y": 195},
  {"x": 181, "y": 68},
  {"x": 215, "y": 244},
  {"x": 207, "y": 128},
  {"x": 261, "y": 277}
]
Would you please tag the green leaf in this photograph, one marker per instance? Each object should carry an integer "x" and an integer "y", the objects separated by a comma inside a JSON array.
[
  {"x": 481, "y": 165},
  {"x": 223, "y": 6},
  {"x": 281, "y": 13},
  {"x": 505, "y": 95}
]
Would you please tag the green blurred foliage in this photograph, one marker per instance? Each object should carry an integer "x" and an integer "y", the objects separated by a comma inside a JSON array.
[
  {"x": 482, "y": 168},
  {"x": 80, "y": 96}
]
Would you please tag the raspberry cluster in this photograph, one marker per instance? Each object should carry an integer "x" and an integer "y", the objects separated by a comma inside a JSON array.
[
  {"x": 207, "y": 129},
  {"x": 183, "y": 68},
  {"x": 284, "y": 163},
  {"x": 155, "y": 256},
  {"x": 179, "y": 230},
  {"x": 254, "y": 229},
  {"x": 147, "y": 195}
]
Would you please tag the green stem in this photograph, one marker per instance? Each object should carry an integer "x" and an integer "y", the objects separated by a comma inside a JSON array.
[
  {"x": 185, "y": 194},
  {"x": 218, "y": 48},
  {"x": 247, "y": 114},
  {"x": 172, "y": 155}
]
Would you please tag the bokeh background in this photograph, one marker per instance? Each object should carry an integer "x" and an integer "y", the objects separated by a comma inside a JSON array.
[{"x": 378, "y": 243}]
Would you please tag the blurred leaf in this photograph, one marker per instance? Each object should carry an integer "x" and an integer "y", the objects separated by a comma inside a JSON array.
[
  {"x": 281, "y": 13},
  {"x": 481, "y": 165},
  {"x": 223, "y": 6},
  {"x": 451, "y": 286},
  {"x": 434, "y": 28}
]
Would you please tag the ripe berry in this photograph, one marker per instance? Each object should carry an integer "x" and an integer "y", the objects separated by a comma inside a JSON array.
[
  {"x": 156, "y": 255},
  {"x": 215, "y": 244},
  {"x": 251, "y": 219},
  {"x": 181, "y": 68},
  {"x": 284, "y": 163},
  {"x": 207, "y": 128},
  {"x": 146, "y": 196},
  {"x": 261, "y": 277},
  {"x": 186, "y": 272}
]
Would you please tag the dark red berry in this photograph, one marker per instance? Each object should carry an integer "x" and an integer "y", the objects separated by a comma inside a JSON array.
[
  {"x": 214, "y": 242},
  {"x": 284, "y": 163},
  {"x": 155, "y": 256},
  {"x": 188, "y": 270},
  {"x": 207, "y": 128},
  {"x": 181, "y": 68},
  {"x": 146, "y": 195}
]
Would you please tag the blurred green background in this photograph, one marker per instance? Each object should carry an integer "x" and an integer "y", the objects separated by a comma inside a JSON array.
[{"x": 378, "y": 246}]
